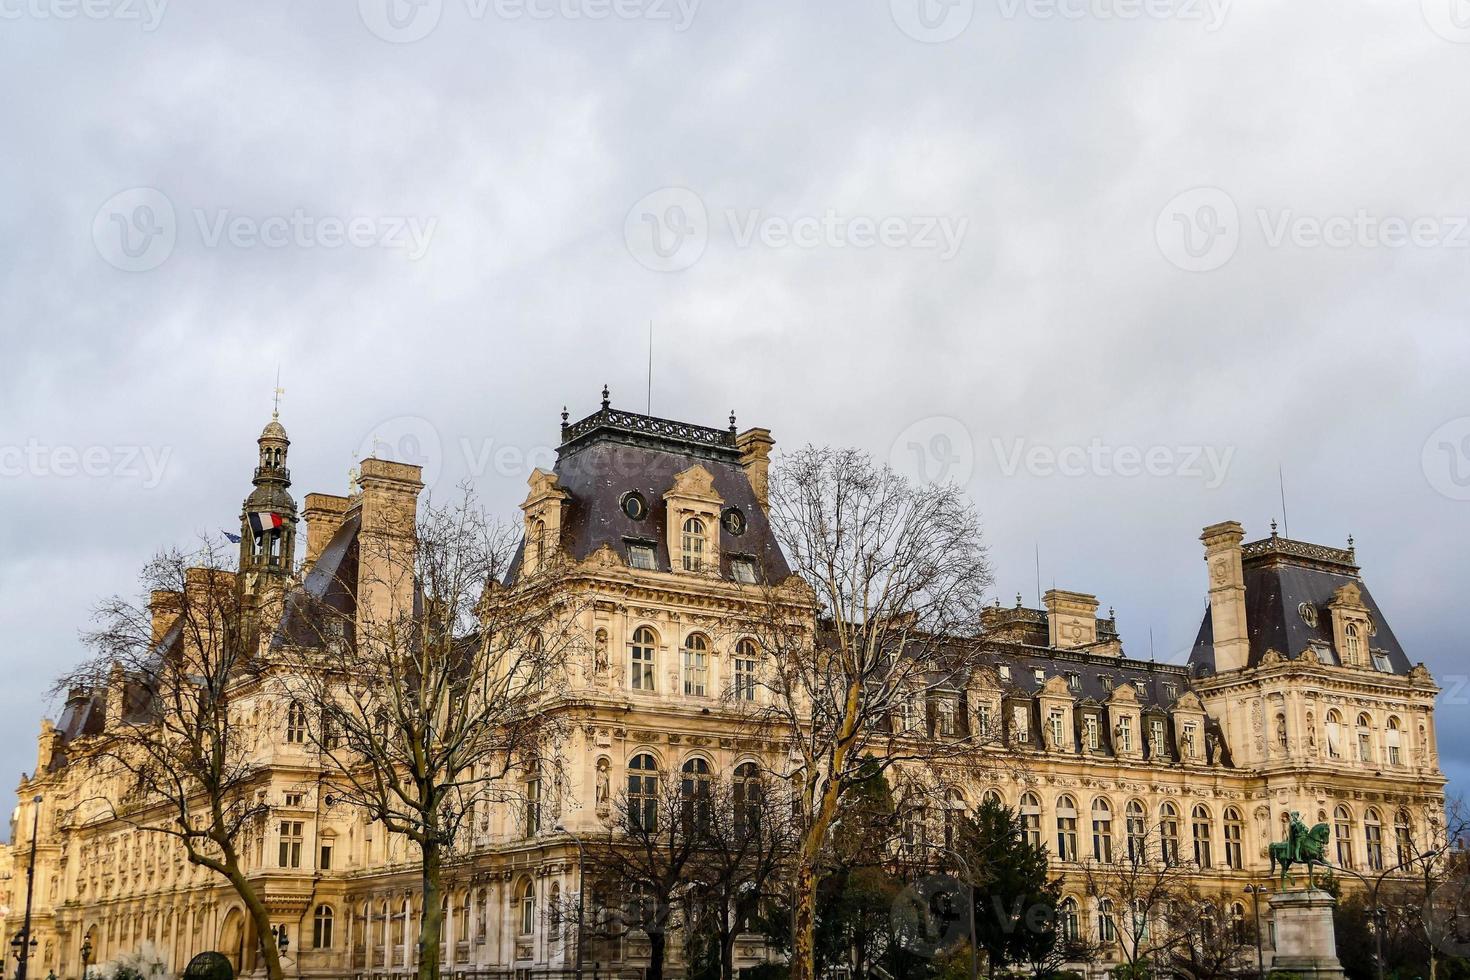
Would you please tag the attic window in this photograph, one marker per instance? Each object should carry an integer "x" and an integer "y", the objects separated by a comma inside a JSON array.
[
  {"x": 1308, "y": 613},
  {"x": 734, "y": 521},
  {"x": 1381, "y": 662},
  {"x": 641, "y": 556},
  {"x": 1040, "y": 674},
  {"x": 1074, "y": 681},
  {"x": 743, "y": 570},
  {"x": 634, "y": 506},
  {"x": 1005, "y": 673},
  {"x": 1171, "y": 691},
  {"x": 1107, "y": 681}
]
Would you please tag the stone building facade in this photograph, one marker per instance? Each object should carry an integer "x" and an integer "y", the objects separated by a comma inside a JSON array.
[{"x": 1297, "y": 697}]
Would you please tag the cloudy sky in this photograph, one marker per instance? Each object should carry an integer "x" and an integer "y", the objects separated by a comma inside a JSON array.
[{"x": 1111, "y": 263}]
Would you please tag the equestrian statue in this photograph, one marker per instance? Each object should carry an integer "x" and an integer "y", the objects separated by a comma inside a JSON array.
[{"x": 1302, "y": 846}]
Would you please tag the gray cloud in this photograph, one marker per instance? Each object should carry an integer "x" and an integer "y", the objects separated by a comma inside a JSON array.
[{"x": 1063, "y": 317}]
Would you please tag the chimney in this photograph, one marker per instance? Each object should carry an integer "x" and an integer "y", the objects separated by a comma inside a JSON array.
[
  {"x": 1227, "y": 595},
  {"x": 755, "y": 455},
  {"x": 324, "y": 514},
  {"x": 1071, "y": 619},
  {"x": 387, "y": 542},
  {"x": 165, "y": 606}
]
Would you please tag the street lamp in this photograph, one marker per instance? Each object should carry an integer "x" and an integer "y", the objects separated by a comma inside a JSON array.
[
  {"x": 581, "y": 892},
  {"x": 25, "y": 941},
  {"x": 1256, "y": 891},
  {"x": 86, "y": 956}
]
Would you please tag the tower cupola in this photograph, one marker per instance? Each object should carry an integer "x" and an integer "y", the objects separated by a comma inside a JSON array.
[{"x": 268, "y": 517}]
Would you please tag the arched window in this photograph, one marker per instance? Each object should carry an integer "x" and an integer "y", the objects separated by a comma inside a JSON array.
[
  {"x": 746, "y": 789},
  {"x": 528, "y": 907},
  {"x": 1068, "y": 920},
  {"x": 642, "y": 658},
  {"x": 531, "y": 817},
  {"x": 1373, "y": 838},
  {"x": 1395, "y": 738},
  {"x": 1403, "y": 837},
  {"x": 538, "y": 544},
  {"x": 321, "y": 928},
  {"x": 1107, "y": 924},
  {"x": 1365, "y": 738},
  {"x": 553, "y": 909},
  {"x": 1334, "y": 735},
  {"x": 295, "y": 723},
  {"x": 743, "y": 675},
  {"x": 643, "y": 793},
  {"x": 1102, "y": 831},
  {"x": 992, "y": 797},
  {"x": 1204, "y": 834},
  {"x": 1237, "y": 925},
  {"x": 1066, "y": 829},
  {"x": 1343, "y": 832},
  {"x": 1234, "y": 840},
  {"x": 694, "y": 792},
  {"x": 696, "y": 665},
  {"x": 1137, "y": 818},
  {"x": 693, "y": 545},
  {"x": 1031, "y": 819},
  {"x": 1354, "y": 654},
  {"x": 1169, "y": 833}
]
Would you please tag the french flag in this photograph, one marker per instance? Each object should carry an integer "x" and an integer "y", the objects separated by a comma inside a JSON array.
[{"x": 263, "y": 521}]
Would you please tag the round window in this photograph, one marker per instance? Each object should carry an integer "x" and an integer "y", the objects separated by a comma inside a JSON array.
[
  {"x": 734, "y": 521},
  {"x": 634, "y": 505}
]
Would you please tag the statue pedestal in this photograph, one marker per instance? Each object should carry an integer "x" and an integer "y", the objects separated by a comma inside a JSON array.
[{"x": 1305, "y": 941}]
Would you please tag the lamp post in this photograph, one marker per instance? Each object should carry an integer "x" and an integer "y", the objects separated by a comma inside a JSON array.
[
  {"x": 969, "y": 912},
  {"x": 581, "y": 892},
  {"x": 1256, "y": 891},
  {"x": 24, "y": 940},
  {"x": 86, "y": 956}
]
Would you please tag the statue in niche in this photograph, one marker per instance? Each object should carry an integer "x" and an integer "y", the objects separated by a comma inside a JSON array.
[
  {"x": 600, "y": 652},
  {"x": 604, "y": 785}
]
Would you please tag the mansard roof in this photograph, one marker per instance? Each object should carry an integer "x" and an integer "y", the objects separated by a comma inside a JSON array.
[
  {"x": 1098, "y": 675},
  {"x": 1288, "y": 586},
  {"x": 611, "y": 453}
]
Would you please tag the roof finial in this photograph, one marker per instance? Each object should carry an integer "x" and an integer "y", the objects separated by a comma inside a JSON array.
[
  {"x": 564, "y": 415},
  {"x": 732, "y": 420},
  {"x": 1351, "y": 546},
  {"x": 276, "y": 407},
  {"x": 1018, "y": 600},
  {"x": 605, "y": 401},
  {"x": 1273, "y": 528}
]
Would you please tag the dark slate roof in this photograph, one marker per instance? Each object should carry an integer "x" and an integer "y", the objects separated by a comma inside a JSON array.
[
  {"x": 331, "y": 584},
  {"x": 610, "y": 454},
  {"x": 1281, "y": 575},
  {"x": 1094, "y": 673}
]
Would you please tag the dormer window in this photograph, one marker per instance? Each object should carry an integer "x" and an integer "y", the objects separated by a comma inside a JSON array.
[
  {"x": 1040, "y": 674},
  {"x": 641, "y": 556},
  {"x": 743, "y": 571},
  {"x": 1107, "y": 681},
  {"x": 692, "y": 548},
  {"x": 1074, "y": 681},
  {"x": 634, "y": 506},
  {"x": 1381, "y": 663},
  {"x": 1005, "y": 673},
  {"x": 1171, "y": 691}
]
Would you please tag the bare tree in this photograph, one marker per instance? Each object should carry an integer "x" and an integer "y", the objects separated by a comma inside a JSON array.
[
  {"x": 1147, "y": 891},
  {"x": 745, "y": 843},
  {"x": 178, "y": 680},
  {"x": 646, "y": 857},
  {"x": 894, "y": 574},
  {"x": 427, "y": 698}
]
